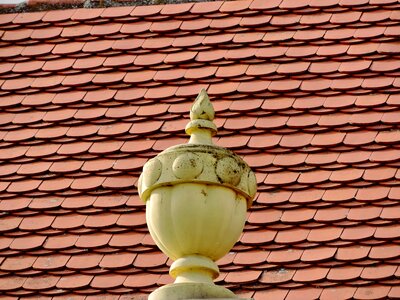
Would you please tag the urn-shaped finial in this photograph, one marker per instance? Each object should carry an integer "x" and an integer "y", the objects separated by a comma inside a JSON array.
[{"x": 196, "y": 198}]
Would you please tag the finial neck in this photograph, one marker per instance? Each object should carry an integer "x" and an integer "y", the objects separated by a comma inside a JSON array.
[
  {"x": 202, "y": 136},
  {"x": 201, "y": 131}
]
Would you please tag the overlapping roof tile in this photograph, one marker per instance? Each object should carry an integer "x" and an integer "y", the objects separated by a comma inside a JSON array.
[{"x": 306, "y": 91}]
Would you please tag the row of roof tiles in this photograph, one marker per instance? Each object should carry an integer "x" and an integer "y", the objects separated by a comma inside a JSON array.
[
  {"x": 377, "y": 149},
  {"x": 301, "y": 70},
  {"x": 369, "y": 292},
  {"x": 284, "y": 178},
  {"x": 321, "y": 87},
  {"x": 120, "y": 262},
  {"x": 59, "y": 108},
  {"x": 176, "y": 10},
  {"x": 352, "y": 19},
  {"x": 362, "y": 246},
  {"x": 195, "y": 53},
  {"x": 330, "y": 165},
  {"x": 121, "y": 281},
  {"x": 104, "y": 217},
  {"x": 118, "y": 121},
  {"x": 301, "y": 276},
  {"x": 321, "y": 202}
]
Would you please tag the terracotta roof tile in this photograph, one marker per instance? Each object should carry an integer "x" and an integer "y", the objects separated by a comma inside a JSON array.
[
  {"x": 68, "y": 221},
  {"x": 240, "y": 53},
  {"x": 343, "y": 292},
  {"x": 358, "y": 233},
  {"x": 108, "y": 281},
  {"x": 23, "y": 186},
  {"x": 250, "y": 258},
  {"x": 145, "y": 260},
  {"x": 394, "y": 292},
  {"x": 101, "y": 148},
  {"x": 273, "y": 293},
  {"x": 51, "y": 263},
  {"x": 87, "y": 183},
  {"x": 378, "y": 272},
  {"x": 84, "y": 261},
  {"x": 324, "y": 234},
  {"x": 253, "y": 87},
  {"x": 28, "y": 242},
  {"x": 60, "y": 242},
  {"x": 166, "y": 26},
  {"x": 36, "y": 223},
  {"x": 296, "y": 140},
  {"x": 345, "y": 17},
  {"x": 146, "y": 280},
  {"x": 17, "y": 263},
  {"x": 19, "y": 204},
  {"x": 74, "y": 281},
  {"x": 136, "y": 27},
  {"x": 87, "y": 14},
  {"x": 126, "y": 239},
  {"x": 310, "y": 275},
  {"x": 120, "y": 260},
  {"x": 137, "y": 146},
  {"x": 120, "y": 182},
  {"x": 243, "y": 276},
  {"x": 10, "y": 283},
  {"x": 42, "y": 283},
  {"x": 345, "y": 273},
  {"x": 142, "y": 11},
  {"x": 383, "y": 252},
  {"x": 373, "y": 292},
  {"x": 309, "y": 293},
  {"x": 277, "y": 277},
  {"x": 93, "y": 241}
]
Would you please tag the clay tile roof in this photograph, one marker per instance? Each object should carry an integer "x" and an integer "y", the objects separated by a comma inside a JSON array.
[{"x": 306, "y": 91}]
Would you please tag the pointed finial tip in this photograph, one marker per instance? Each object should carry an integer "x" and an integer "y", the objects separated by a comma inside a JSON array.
[
  {"x": 201, "y": 127},
  {"x": 202, "y": 108}
]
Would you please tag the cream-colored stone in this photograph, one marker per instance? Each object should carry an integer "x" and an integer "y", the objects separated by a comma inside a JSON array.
[
  {"x": 228, "y": 171},
  {"x": 219, "y": 166},
  {"x": 184, "y": 291},
  {"x": 187, "y": 166},
  {"x": 202, "y": 108},
  {"x": 195, "y": 218},
  {"x": 153, "y": 170},
  {"x": 196, "y": 198}
]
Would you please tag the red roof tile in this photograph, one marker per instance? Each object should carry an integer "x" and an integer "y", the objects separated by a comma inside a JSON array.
[{"x": 307, "y": 91}]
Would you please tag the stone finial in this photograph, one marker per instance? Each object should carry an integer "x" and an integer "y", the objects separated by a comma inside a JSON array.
[{"x": 196, "y": 198}]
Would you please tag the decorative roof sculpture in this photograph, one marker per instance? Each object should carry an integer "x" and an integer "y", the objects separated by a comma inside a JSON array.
[{"x": 197, "y": 195}]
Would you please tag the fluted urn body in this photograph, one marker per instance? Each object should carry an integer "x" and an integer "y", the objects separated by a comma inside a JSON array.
[{"x": 196, "y": 195}]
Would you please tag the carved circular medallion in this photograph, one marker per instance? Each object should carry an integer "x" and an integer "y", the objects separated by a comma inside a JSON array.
[
  {"x": 152, "y": 171},
  {"x": 228, "y": 171},
  {"x": 252, "y": 182},
  {"x": 187, "y": 166}
]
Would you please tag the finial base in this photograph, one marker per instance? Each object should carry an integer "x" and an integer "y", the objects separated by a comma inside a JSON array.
[
  {"x": 194, "y": 269},
  {"x": 184, "y": 291}
]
